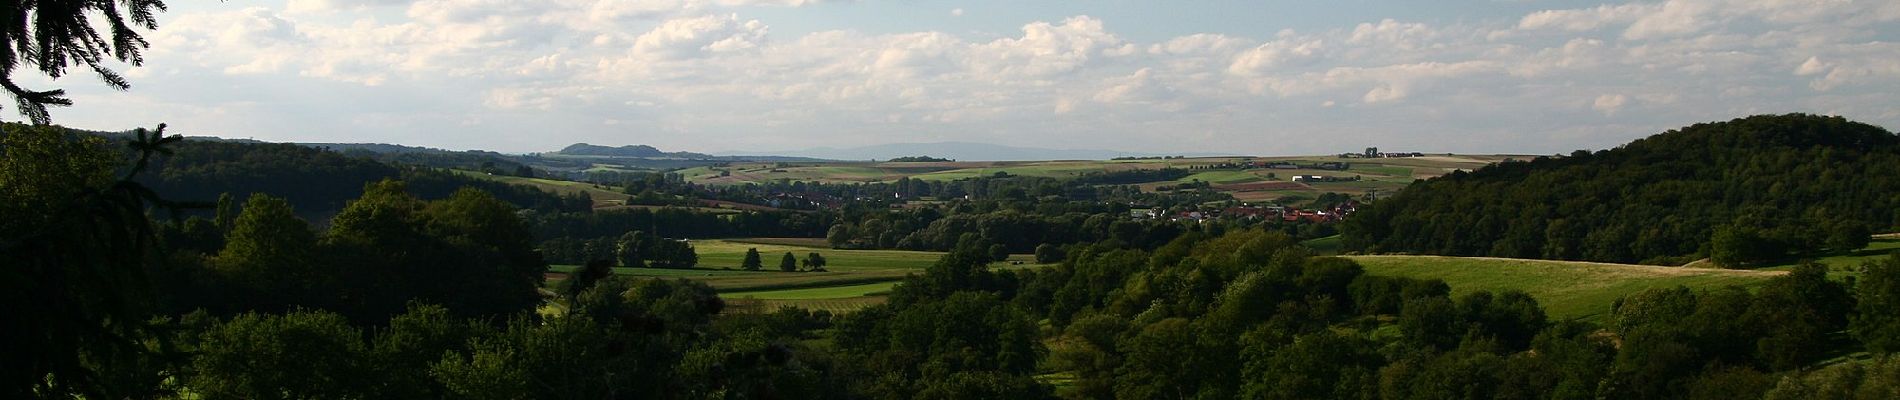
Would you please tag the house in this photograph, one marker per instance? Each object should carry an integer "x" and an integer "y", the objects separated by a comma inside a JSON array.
[
  {"x": 1308, "y": 178},
  {"x": 1141, "y": 213}
]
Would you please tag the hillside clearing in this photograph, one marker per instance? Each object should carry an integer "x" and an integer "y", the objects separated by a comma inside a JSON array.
[{"x": 1566, "y": 289}]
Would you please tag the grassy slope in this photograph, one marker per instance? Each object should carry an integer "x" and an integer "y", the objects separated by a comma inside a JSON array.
[
  {"x": 600, "y": 196},
  {"x": 1566, "y": 289},
  {"x": 1848, "y": 264}
]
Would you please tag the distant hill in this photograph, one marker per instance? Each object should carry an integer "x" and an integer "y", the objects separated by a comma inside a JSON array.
[
  {"x": 381, "y": 148},
  {"x": 963, "y": 151},
  {"x": 638, "y": 151},
  {"x": 1743, "y": 191}
]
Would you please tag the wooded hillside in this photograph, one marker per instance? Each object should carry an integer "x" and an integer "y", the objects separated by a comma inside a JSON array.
[{"x": 1742, "y": 191}]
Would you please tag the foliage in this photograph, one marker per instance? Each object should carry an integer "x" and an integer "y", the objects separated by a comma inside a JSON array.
[
  {"x": 752, "y": 261},
  {"x": 298, "y": 355},
  {"x": 788, "y": 263},
  {"x": 1876, "y": 319},
  {"x": 1746, "y": 190},
  {"x": 1048, "y": 254},
  {"x": 814, "y": 262},
  {"x": 77, "y": 245},
  {"x": 51, "y": 35}
]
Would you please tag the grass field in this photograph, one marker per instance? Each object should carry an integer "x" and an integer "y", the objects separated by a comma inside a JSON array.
[
  {"x": 817, "y": 293},
  {"x": 855, "y": 278},
  {"x": 1330, "y": 245},
  {"x": 1566, "y": 289},
  {"x": 602, "y": 197},
  {"x": 1848, "y": 264}
]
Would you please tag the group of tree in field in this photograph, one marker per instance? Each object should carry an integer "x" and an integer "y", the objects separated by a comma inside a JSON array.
[
  {"x": 813, "y": 262},
  {"x": 1743, "y": 192}
]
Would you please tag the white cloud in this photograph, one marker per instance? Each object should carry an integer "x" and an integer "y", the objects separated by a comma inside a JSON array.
[
  {"x": 1262, "y": 59},
  {"x": 685, "y": 74},
  {"x": 956, "y": 12},
  {"x": 1609, "y": 104},
  {"x": 688, "y": 37},
  {"x": 1588, "y": 19}
]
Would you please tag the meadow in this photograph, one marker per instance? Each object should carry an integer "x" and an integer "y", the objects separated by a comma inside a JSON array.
[
  {"x": 1566, "y": 289},
  {"x": 854, "y": 278},
  {"x": 1385, "y": 175},
  {"x": 602, "y": 197},
  {"x": 1848, "y": 264}
]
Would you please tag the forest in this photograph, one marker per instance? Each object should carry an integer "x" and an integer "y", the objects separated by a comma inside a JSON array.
[{"x": 1743, "y": 192}]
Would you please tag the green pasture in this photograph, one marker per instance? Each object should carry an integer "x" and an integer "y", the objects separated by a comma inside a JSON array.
[
  {"x": 600, "y": 196},
  {"x": 854, "y": 278},
  {"x": 817, "y": 293},
  {"x": 1847, "y": 263},
  {"x": 1330, "y": 245},
  {"x": 1566, "y": 289}
]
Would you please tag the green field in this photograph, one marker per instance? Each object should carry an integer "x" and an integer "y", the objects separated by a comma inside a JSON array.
[
  {"x": 817, "y": 293},
  {"x": 1330, "y": 245},
  {"x": 1848, "y": 264},
  {"x": 855, "y": 278},
  {"x": 602, "y": 197},
  {"x": 1566, "y": 289}
]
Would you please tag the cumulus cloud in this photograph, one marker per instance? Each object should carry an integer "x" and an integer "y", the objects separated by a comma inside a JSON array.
[
  {"x": 1586, "y": 19},
  {"x": 1608, "y": 104},
  {"x": 688, "y": 37},
  {"x": 685, "y": 74}
]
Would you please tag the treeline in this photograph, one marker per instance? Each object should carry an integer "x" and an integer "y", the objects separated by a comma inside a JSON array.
[
  {"x": 468, "y": 252},
  {"x": 1016, "y": 231},
  {"x": 1743, "y": 191},
  {"x": 1133, "y": 176},
  {"x": 679, "y": 223},
  {"x": 633, "y": 249},
  {"x": 317, "y": 181}
]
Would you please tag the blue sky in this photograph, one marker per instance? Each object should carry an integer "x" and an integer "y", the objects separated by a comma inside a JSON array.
[{"x": 1259, "y": 77}]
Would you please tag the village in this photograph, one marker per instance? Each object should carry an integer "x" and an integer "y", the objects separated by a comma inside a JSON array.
[{"x": 1249, "y": 212}]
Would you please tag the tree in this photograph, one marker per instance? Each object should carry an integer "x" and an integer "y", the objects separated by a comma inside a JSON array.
[
  {"x": 227, "y": 211},
  {"x": 751, "y": 262},
  {"x": 80, "y": 243},
  {"x": 300, "y": 355},
  {"x": 1735, "y": 247},
  {"x": 815, "y": 262},
  {"x": 838, "y": 235},
  {"x": 1848, "y": 236},
  {"x": 270, "y": 252},
  {"x": 1876, "y": 320},
  {"x": 999, "y": 252},
  {"x": 584, "y": 278},
  {"x": 52, "y": 35},
  {"x": 788, "y": 263},
  {"x": 1048, "y": 254},
  {"x": 632, "y": 249}
]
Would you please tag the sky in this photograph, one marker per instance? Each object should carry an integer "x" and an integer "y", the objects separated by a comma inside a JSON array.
[{"x": 1264, "y": 77}]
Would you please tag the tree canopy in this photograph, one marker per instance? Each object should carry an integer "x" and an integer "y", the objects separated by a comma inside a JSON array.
[{"x": 1745, "y": 191}]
